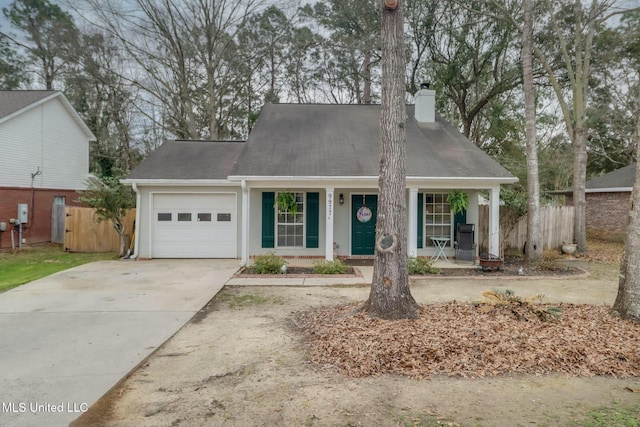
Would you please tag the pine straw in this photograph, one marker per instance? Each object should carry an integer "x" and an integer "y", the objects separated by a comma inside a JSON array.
[{"x": 470, "y": 341}]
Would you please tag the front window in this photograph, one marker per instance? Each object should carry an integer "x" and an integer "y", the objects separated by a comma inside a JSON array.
[
  {"x": 437, "y": 217},
  {"x": 290, "y": 226}
]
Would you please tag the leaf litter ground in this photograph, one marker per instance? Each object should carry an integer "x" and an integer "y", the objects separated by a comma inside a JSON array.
[{"x": 474, "y": 340}]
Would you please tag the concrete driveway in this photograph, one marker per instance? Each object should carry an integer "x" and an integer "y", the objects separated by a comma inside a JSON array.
[{"x": 66, "y": 339}]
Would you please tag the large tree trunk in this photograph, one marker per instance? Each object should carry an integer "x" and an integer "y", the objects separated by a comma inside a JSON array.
[
  {"x": 390, "y": 296},
  {"x": 579, "y": 184},
  {"x": 627, "y": 303},
  {"x": 534, "y": 231}
]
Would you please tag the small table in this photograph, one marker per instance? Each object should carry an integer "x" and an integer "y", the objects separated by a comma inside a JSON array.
[{"x": 441, "y": 244}]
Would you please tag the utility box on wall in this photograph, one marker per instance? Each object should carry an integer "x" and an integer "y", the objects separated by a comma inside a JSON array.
[{"x": 23, "y": 213}]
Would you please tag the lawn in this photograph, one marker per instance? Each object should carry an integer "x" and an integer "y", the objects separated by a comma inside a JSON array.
[{"x": 33, "y": 263}]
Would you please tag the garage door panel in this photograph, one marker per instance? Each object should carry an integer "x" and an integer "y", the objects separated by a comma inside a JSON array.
[{"x": 194, "y": 226}]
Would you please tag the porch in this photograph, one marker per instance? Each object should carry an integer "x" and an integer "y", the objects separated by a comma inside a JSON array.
[{"x": 339, "y": 222}]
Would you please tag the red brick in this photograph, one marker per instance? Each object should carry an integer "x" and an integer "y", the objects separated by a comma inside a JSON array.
[{"x": 38, "y": 229}]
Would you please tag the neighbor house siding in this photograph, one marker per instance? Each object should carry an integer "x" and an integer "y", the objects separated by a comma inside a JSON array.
[
  {"x": 45, "y": 139},
  {"x": 607, "y": 211}
]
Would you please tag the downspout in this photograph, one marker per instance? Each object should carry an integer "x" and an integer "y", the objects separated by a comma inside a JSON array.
[{"x": 136, "y": 231}]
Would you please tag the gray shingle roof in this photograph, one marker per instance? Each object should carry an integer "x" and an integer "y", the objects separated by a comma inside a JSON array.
[
  {"x": 15, "y": 100},
  {"x": 343, "y": 140},
  {"x": 622, "y": 178},
  {"x": 189, "y": 160},
  {"x": 619, "y": 178},
  {"x": 311, "y": 140}
]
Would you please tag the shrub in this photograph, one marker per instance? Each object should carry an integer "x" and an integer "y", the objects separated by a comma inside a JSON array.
[
  {"x": 550, "y": 261},
  {"x": 267, "y": 264},
  {"x": 522, "y": 308},
  {"x": 330, "y": 267},
  {"x": 421, "y": 266}
]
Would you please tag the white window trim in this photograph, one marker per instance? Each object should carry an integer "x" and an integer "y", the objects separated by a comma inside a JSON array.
[
  {"x": 304, "y": 223},
  {"x": 426, "y": 241}
]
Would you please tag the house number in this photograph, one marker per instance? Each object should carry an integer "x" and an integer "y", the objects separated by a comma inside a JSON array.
[{"x": 364, "y": 214}]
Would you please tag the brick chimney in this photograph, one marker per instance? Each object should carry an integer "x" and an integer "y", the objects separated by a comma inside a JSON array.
[{"x": 425, "y": 101}]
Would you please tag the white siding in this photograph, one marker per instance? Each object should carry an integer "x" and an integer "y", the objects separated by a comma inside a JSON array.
[{"x": 45, "y": 137}]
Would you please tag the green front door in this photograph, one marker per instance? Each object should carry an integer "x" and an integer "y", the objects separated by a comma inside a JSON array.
[{"x": 364, "y": 210}]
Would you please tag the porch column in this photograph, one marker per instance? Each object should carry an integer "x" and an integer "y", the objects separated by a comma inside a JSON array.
[
  {"x": 328, "y": 228},
  {"x": 245, "y": 224},
  {"x": 494, "y": 221},
  {"x": 412, "y": 237}
]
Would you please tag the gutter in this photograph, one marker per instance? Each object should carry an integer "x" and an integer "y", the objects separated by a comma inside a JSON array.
[
  {"x": 136, "y": 234},
  {"x": 594, "y": 190}
]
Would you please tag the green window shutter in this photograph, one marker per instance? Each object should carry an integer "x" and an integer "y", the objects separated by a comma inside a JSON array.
[
  {"x": 313, "y": 219},
  {"x": 459, "y": 218},
  {"x": 420, "y": 219},
  {"x": 268, "y": 219}
]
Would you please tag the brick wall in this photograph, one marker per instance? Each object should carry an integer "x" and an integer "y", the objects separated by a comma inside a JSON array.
[
  {"x": 607, "y": 211},
  {"x": 38, "y": 229}
]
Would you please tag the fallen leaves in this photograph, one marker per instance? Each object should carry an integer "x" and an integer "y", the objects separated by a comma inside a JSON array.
[{"x": 465, "y": 340}]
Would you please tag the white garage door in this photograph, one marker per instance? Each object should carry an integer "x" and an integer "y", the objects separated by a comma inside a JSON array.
[{"x": 194, "y": 225}]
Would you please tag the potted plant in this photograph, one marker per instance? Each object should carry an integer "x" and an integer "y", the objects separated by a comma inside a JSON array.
[
  {"x": 286, "y": 202},
  {"x": 458, "y": 201}
]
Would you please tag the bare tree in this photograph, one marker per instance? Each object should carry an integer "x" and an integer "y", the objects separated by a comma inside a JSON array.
[
  {"x": 534, "y": 231},
  {"x": 182, "y": 51},
  {"x": 390, "y": 296},
  {"x": 566, "y": 59}
]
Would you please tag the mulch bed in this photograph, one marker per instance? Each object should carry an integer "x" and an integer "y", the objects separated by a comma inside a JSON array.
[
  {"x": 471, "y": 341},
  {"x": 295, "y": 271}
]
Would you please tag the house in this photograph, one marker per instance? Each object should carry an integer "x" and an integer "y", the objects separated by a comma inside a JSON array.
[
  {"x": 218, "y": 199},
  {"x": 44, "y": 160},
  {"x": 607, "y": 197}
]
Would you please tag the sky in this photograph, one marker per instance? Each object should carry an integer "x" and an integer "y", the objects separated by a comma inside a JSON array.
[{"x": 4, "y": 25}]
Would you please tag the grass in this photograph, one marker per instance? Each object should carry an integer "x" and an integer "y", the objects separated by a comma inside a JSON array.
[
  {"x": 248, "y": 300},
  {"x": 614, "y": 416},
  {"x": 34, "y": 263}
]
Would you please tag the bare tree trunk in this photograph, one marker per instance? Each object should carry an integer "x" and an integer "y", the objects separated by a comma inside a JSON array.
[
  {"x": 627, "y": 304},
  {"x": 579, "y": 185},
  {"x": 390, "y": 296},
  {"x": 534, "y": 231}
]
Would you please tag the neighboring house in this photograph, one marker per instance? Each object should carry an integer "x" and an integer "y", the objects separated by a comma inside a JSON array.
[
  {"x": 217, "y": 199},
  {"x": 44, "y": 160},
  {"x": 608, "y": 198}
]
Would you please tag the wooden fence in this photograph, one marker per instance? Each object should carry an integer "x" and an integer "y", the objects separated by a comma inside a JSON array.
[
  {"x": 556, "y": 222},
  {"x": 83, "y": 232}
]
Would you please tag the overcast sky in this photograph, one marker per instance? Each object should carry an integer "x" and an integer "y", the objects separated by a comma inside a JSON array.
[{"x": 3, "y": 22}]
